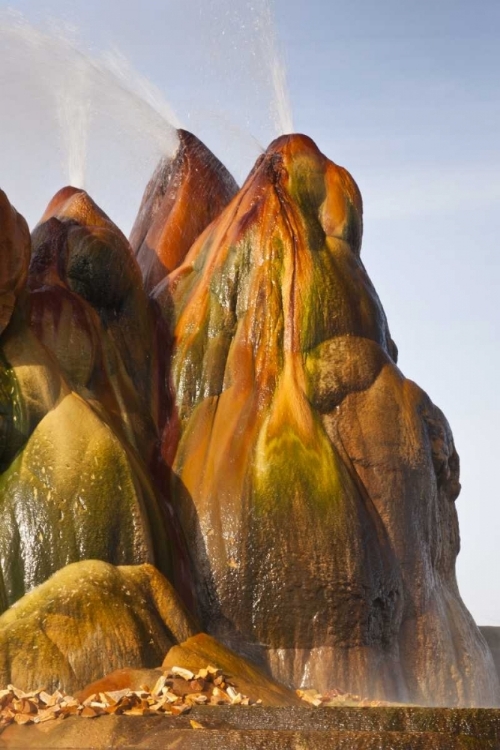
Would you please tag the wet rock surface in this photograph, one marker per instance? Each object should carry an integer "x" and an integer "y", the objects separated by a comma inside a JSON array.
[
  {"x": 310, "y": 475},
  {"x": 202, "y": 649},
  {"x": 257, "y": 727},
  {"x": 243, "y": 429},
  {"x": 492, "y": 637},
  {"x": 89, "y": 619},
  {"x": 78, "y": 429},
  {"x": 14, "y": 261},
  {"x": 183, "y": 196}
]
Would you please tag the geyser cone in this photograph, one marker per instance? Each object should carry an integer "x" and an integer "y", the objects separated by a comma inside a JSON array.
[
  {"x": 83, "y": 415},
  {"x": 316, "y": 485},
  {"x": 300, "y": 567},
  {"x": 78, "y": 247},
  {"x": 183, "y": 196}
]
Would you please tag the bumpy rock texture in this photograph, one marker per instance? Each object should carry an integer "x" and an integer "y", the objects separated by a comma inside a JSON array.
[
  {"x": 195, "y": 654},
  {"x": 199, "y": 650},
  {"x": 241, "y": 425},
  {"x": 316, "y": 485},
  {"x": 78, "y": 431},
  {"x": 89, "y": 619},
  {"x": 492, "y": 636}
]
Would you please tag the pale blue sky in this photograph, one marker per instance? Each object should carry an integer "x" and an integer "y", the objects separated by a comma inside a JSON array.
[{"x": 406, "y": 95}]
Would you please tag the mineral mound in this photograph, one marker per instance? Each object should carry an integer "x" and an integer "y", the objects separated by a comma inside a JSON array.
[
  {"x": 240, "y": 428},
  {"x": 77, "y": 418},
  {"x": 315, "y": 484},
  {"x": 183, "y": 196}
]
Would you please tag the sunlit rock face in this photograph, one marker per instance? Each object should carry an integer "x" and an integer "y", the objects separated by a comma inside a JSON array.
[
  {"x": 244, "y": 425},
  {"x": 202, "y": 649},
  {"x": 79, "y": 405},
  {"x": 183, "y": 196},
  {"x": 314, "y": 482},
  {"x": 87, "y": 620}
]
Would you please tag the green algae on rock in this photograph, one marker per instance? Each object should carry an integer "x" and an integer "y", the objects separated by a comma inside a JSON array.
[
  {"x": 72, "y": 494},
  {"x": 89, "y": 619},
  {"x": 314, "y": 483},
  {"x": 78, "y": 431},
  {"x": 87, "y": 304},
  {"x": 201, "y": 649},
  {"x": 252, "y": 407}
]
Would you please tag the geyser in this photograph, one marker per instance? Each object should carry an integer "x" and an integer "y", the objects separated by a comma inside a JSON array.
[
  {"x": 244, "y": 428},
  {"x": 97, "y": 105},
  {"x": 206, "y": 444},
  {"x": 184, "y": 195}
]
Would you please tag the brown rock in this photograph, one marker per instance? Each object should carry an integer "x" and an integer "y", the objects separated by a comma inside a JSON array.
[
  {"x": 69, "y": 321},
  {"x": 15, "y": 248},
  {"x": 74, "y": 204},
  {"x": 491, "y": 634},
  {"x": 85, "y": 279},
  {"x": 87, "y": 305},
  {"x": 27, "y": 393},
  {"x": 314, "y": 483},
  {"x": 269, "y": 729},
  {"x": 121, "y": 679},
  {"x": 88, "y": 620},
  {"x": 78, "y": 405},
  {"x": 75, "y": 492},
  {"x": 202, "y": 650},
  {"x": 183, "y": 196}
]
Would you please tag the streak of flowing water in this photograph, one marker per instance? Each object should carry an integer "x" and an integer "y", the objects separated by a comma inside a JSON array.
[
  {"x": 234, "y": 61},
  {"x": 113, "y": 124},
  {"x": 74, "y": 113},
  {"x": 281, "y": 109},
  {"x": 105, "y": 125}
]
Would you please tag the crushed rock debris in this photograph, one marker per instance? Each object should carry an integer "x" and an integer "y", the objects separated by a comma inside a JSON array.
[
  {"x": 173, "y": 694},
  {"x": 337, "y": 697}
]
